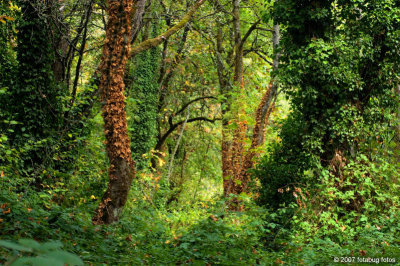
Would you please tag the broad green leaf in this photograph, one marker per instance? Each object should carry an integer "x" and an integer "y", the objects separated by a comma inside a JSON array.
[
  {"x": 66, "y": 257},
  {"x": 37, "y": 261},
  {"x": 14, "y": 246}
]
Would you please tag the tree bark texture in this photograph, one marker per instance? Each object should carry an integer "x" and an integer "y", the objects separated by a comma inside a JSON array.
[
  {"x": 116, "y": 51},
  {"x": 137, "y": 20}
]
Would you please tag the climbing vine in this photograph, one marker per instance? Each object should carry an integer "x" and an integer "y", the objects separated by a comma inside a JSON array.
[
  {"x": 143, "y": 97},
  {"x": 35, "y": 88}
]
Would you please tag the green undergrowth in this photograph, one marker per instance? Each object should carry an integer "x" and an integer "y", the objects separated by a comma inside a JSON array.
[
  {"x": 327, "y": 220},
  {"x": 205, "y": 233},
  {"x": 149, "y": 232},
  {"x": 202, "y": 233}
]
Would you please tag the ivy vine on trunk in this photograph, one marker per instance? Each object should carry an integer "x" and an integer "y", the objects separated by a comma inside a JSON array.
[
  {"x": 116, "y": 52},
  {"x": 115, "y": 56}
]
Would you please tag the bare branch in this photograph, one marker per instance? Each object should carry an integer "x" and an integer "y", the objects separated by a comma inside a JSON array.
[
  {"x": 192, "y": 101},
  {"x": 81, "y": 52},
  {"x": 249, "y": 31},
  {"x": 264, "y": 29},
  {"x": 164, "y": 137},
  {"x": 262, "y": 57}
]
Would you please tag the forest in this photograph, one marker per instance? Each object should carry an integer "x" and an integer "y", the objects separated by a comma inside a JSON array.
[{"x": 199, "y": 132}]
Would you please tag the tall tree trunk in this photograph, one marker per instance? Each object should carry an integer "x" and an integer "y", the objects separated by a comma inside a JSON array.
[
  {"x": 116, "y": 52},
  {"x": 230, "y": 149},
  {"x": 238, "y": 78},
  {"x": 59, "y": 34},
  {"x": 236, "y": 162},
  {"x": 115, "y": 56},
  {"x": 35, "y": 97},
  {"x": 224, "y": 89},
  {"x": 263, "y": 112}
]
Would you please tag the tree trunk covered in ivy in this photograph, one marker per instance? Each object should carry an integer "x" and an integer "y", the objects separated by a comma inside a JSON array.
[
  {"x": 33, "y": 98},
  {"x": 336, "y": 105},
  {"x": 116, "y": 50},
  {"x": 236, "y": 159},
  {"x": 143, "y": 97},
  {"x": 231, "y": 141},
  {"x": 36, "y": 95},
  {"x": 262, "y": 115}
]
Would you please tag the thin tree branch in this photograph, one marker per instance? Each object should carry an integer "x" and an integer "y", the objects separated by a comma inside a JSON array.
[
  {"x": 262, "y": 57},
  {"x": 164, "y": 78},
  {"x": 249, "y": 31},
  {"x": 264, "y": 29},
  {"x": 192, "y": 101},
  {"x": 81, "y": 52},
  {"x": 176, "y": 145},
  {"x": 164, "y": 137}
]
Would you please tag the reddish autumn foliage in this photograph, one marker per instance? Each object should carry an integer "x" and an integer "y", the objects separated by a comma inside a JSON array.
[{"x": 236, "y": 159}]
